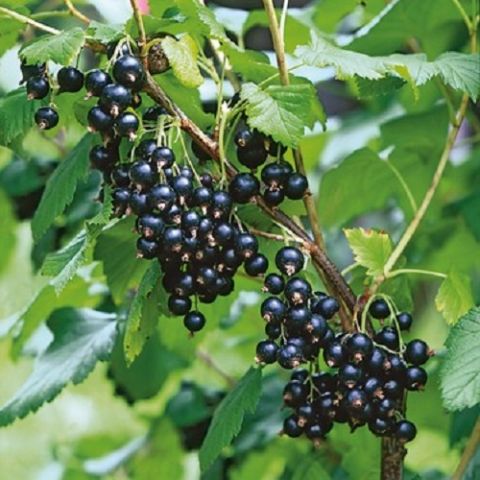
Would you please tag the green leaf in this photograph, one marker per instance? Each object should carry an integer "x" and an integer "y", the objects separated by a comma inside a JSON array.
[
  {"x": 143, "y": 315},
  {"x": 104, "y": 33},
  {"x": 16, "y": 115},
  {"x": 371, "y": 249},
  {"x": 81, "y": 339},
  {"x": 62, "y": 48},
  {"x": 228, "y": 417},
  {"x": 61, "y": 187},
  {"x": 116, "y": 248},
  {"x": 454, "y": 298},
  {"x": 182, "y": 56},
  {"x": 9, "y": 33},
  {"x": 458, "y": 70},
  {"x": 281, "y": 112},
  {"x": 460, "y": 373},
  {"x": 7, "y": 227},
  {"x": 310, "y": 469}
]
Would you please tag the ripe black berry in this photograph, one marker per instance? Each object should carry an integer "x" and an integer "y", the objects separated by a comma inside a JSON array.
[
  {"x": 70, "y": 79},
  {"x": 415, "y": 378},
  {"x": 145, "y": 148},
  {"x": 179, "y": 305},
  {"x": 289, "y": 260},
  {"x": 246, "y": 245},
  {"x": 273, "y": 330},
  {"x": 289, "y": 356},
  {"x": 102, "y": 159},
  {"x": 273, "y": 284},
  {"x": 267, "y": 352},
  {"x": 150, "y": 226},
  {"x": 221, "y": 204},
  {"x": 379, "y": 309},
  {"x": 115, "y": 99},
  {"x": 120, "y": 199},
  {"x": 296, "y": 186},
  {"x": 127, "y": 125},
  {"x": 335, "y": 354},
  {"x": 291, "y": 427},
  {"x": 297, "y": 290},
  {"x": 37, "y": 88},
  {"x": 151, "y": 114},
  {"x": 417, "y": 352},
  {"x": 139, "y": 203},
  {"x": 194, "y": 321},
  {"x": 147, "y": 248},
  {"x": 359, "y": 346},
  {"x": 328, "y": 307},
  {"x": 273, "y": 310},
  {"x": 163, "y": 157},
  {"x": 381, "y": 426},
  {"x": 46, "y": 118},
  {"x": 249, "y": 139},
  {"x": 252, "y": 158},
  {"x": 295, "y": 393},
  {"x": 129, "y": 72},
  {"x": 350, "y": 375},
  {"x": 274, "y": 197},
  {"x": 96, "y": 81},
  {"x": 388, "y": 337},
  {"x": 404, "y": 320},
  {"x": 243, "y": 187},
  {"x": 405, "y": 431},
  {"x": 297, "y": 319},
  {"x": 29, "y": 71},
  {"x": 98, "y": 120},
  {"x": 120, "y": 176},
  {"x": 143, "y": 175},
  {"x": 256, "y": 265}
]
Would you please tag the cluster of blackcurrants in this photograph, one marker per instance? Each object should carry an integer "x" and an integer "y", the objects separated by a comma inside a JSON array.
[
  {"x": 364, "y": 382},
  {"x": 279, "y": 179}
]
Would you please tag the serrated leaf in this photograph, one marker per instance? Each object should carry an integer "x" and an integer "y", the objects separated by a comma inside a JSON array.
[
  {"x": 61, "y": 187},
  {"x": 371, "y": 249},
  {"x": 461, "y": 71},
  {"x": 281, "y": 112},
  {"x": 143, "y": 315},
  {"x": 16, "y": 115},
  {"x": 61, "y": 48},
  {"x": 81, "y": 339},
  {"x": 116, "y": 248},
  {"x": 454, "y": 297},
  {"x": 229, "y": 415},
  {"x": 182, "y": 56},
  {"x": 460, "y": 373},
  {"x": 104, "y": 33}
]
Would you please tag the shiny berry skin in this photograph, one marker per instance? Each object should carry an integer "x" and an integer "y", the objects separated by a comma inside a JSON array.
[
  {"x": 317, "y": 326},
  {"x": 267, "y": 352},
  {"x": 295, "y": 393},
  {"x": 306, "y": 413},
  {"x": 96, "y": 81},
  {"x": 120, "y": 199},
  {"x": 143, "y": 175},
  {"x": 151, "y": 114},
  {"x": 373, "y": 387},
  {"x": 115, "y": 99},
  {"x": 145, "y": 148},
  {"x": 296, "y": 186},
  {"x": 70, "y": 79},
  {"x": 316, "y": 300},
  {"x": 405, "y": 431},
  {"x": 98, "y": 120},
  {"x": 273, "y": 284},
  {"x": 163, "y": 157},
  {"x": 300, "y": 375},
  {"x": 243, "y": 187},
  {"x": 356, "y": 398},
  {"x": 252, "y": 158},
  {"x": 273, "y": 198},
  {"x": 179, "y": 305},
  {"x": 381, "y": 426},
  {"x": 376, "y": 363},
  {"x": 194, "y": 321},
  {"x": 161, "y": 197},
  {"x": 173, "y": 239},
  {"x": 379, "y": 309},
  {"x": 129, "y": 72},
  {"x": 315, "y": 431},
  {"x": 335, "y": 354},
  {"x": 46, "y": 118},
  {"x": 297, "y": 290},
  {"x": 416, "y": 352},
  {"x": 202, "y": 197},
  {"x": 291, "y": 428},
  {"x": 150, "y": 226},
  {"x": 223, "y": 233},
  {"x": 350, "y": 375},
  {"x": 120, "y": 176},
  {"x": 246, "y": 245},
  {"x": 206, "y": 180},
  {"x": 289, "y": 356},
  {"x": 328, "y": 307},
  {"x": 256, "y": 265},
  {"x": 138, "y": 203},
  {"x": 273, "y": 310},
  {"x": 37, "y": 88},
  {"x": 297, "y": 319},
  {"x": 395, "y": 368},
  {"x": 388, "y": 337},
  {"x": 127, "y": 125},
  {"x": 102, "y": 159},
  {"x": 184, "y": 285},
  {"x": 289, "y": 260},
  {"x": 415, "y": 378},
  {"x": 404, "y": 320},
  {"x": 249, "y": 139},
  {"x": 274, "y": 175},
  {"x": 182, "y": 186},
  {"x": 222, "y": 204},
  {"x": 147, "y": 248},
  {"x": 359, "y": 346},
  {"x": 393, "y": 389},
  {"x": 273, "y": 330}
]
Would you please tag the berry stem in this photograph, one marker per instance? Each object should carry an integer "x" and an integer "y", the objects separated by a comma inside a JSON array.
[
  {"x": 468, "y": 453},
  {"x": 76, "y": 13},
  {"x": 406, "y": 271},
  {"x": 141, "y": 29},
  {"x": 28, "y": 21}
]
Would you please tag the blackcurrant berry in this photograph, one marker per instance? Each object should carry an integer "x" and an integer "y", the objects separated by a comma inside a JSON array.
[
  {"x": 256, "y": 265},
  {"x": 184, "y": 285},
  {"x": 246, "y": 245},
  {"x": 381, "y": 426},
  {"x": 291, "y": 427},
  {"x": 145, "y": 149},
  {"x": 415, "y": 378},
  {"x": 96, "y": 81},
  {"x": 249, "y": 139},
  {"x": 328, "y": 307},
  {"x": 324, "y": 382},
  {"x": 70, "y": 79},
  {"x": 393, "y": 389},
  {"x": 266, "y": 352},
  {"x": 297, "y": 290},
  {"x": 179, "y": 305},
  {"x": 150, "y": 226},
  {"x": 289, "y": 260},
  {"x": 98, "y": 120},
  {"x": 120, "y": 199},
  {"x": 273, "y": 284},
  {"x": 300, "y": 375},
  {"x": 386, "y": 407},
  {"x": 222, "y": 204},
  {"x": 46, "y": 118},
  {"x": 161, "y": 197},
  {"x": 143, "y": 175},
  {"x": 37, "y": 88},
  {"x": 29, "y": 71},
  {"x": 317, "y": 327},
  {"x": 102, "y": 158},
  {"x": 273, "y": 330},
  {"x": 202, "y": 197},
  {"x": 335, "y": 354},
  {"x": 252, "y": 158},
  {"x": 295, "y": 393},
  {"x": 163, "y": 157},
  {"x": 129, "y": 72},
  {"x": 379, "y": 309},
  {"x": 147, "y": 248},
  {"x": 223, "y": 233},
  {"x": 243, "y": 187},
  {"x": 289, "y": 356},
  {"x": 356, "y": 399},
  {"x": 359, "y": 346},
  {"x": 273, "y": 310},
  {"x": 151, "y": 114},
  {"x": 404, "y": 320},
  {"x": 274, "y": 175},
  {"x": 273, "y": 198},
  {"x": 173, "y": 239},
  {"x": 388, "y": 337},
  {"x": 115, "y": 99},
  {"x": 127, "y": 125},
  {"x": 373, "y": 387},
  {"x": 296, "y": 186},
  {"x": 297, "y": 319},
  {"x": 417, "y": 352},
  {"x": 120, "y": 176},
  {"x": 405, "y": 431},
  {"x": 377, "y": 361},
  {"x": 139, "y": 203},
  {"x": 194, "y": 321},
  {"x": 350, "y": 375}
]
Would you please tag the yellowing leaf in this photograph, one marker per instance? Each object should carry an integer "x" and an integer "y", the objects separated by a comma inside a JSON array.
[
  {"x": 454, "y": 298},
  {"x": 371, "y": 249}
]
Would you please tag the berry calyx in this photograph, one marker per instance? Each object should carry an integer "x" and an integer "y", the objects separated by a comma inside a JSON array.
[{"x": 46, "y": 118}]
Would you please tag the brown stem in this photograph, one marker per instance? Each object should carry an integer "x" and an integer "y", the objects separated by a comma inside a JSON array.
[
  {"x": 76, "y": 13},
  {"x": 141, "y": 27},
  {"x": 393, "y": 453}
]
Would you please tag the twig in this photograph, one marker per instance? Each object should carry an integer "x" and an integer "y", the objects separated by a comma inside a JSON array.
[
  {"x": 28, "y": 21},
  {"x": 208, "y": 360},
  {"x": 470, "y": 449},
  {"x": 76, "y": 13},
  {"x": 141, "y": 28},
  {"x": 464, "y": 15}
]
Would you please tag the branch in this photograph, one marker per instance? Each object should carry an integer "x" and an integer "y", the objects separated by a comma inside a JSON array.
[
  {"x": 28, "y": 21},
  {"x": 141, "y": 27},
  {"x": 76, "y": 13},
  {"x": 468, "y": 453}
]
